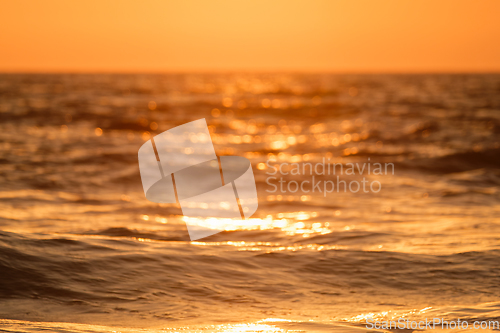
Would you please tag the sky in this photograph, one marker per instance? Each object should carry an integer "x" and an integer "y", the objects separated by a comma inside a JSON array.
[{"x": 250, "y": 35}]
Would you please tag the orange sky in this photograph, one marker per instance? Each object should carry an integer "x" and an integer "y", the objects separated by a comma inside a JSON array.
[{"x": 275, "y": 35}]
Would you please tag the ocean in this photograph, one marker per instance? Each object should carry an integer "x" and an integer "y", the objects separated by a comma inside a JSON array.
[{"x": 83, "y": 250}]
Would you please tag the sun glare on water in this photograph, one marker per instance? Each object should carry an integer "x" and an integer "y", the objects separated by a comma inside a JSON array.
[{"x": 294, "y": 223}]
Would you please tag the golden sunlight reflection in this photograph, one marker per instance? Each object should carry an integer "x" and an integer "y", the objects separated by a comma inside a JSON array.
[
  {"x": 289, "y": 134},
  {"x": 248, "y": 328},
  {"x": 291, "y": 223},
  {"x": 270, "y": 247},
  {"x": 415, "y": 314},
  {"x": 269, "y": 325}
]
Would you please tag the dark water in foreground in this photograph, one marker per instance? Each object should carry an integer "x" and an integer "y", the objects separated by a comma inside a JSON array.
[{"x": 81, "y": 249}]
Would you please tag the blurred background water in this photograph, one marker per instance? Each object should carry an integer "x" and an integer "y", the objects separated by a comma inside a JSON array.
[{"x": 81, "y": 244}]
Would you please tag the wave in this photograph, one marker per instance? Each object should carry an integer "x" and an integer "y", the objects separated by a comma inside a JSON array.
[{"x": 118, "y": 272}]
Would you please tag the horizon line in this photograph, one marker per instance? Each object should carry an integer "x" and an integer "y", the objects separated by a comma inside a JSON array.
[{"x": 249, "y": 71}]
